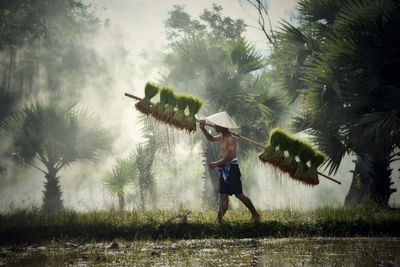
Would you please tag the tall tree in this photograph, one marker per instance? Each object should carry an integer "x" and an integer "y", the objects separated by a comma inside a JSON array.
[
  {"x": 51, "y": 137},
  {"x": 180, "y": 25},
  {"x": 42, "y": 43},
  {"x": 344, "y": 66},
  {"x": 144, "y": 161}
]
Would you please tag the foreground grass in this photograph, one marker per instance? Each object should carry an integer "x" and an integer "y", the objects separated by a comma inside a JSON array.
[{"x": 33, "y": 226}]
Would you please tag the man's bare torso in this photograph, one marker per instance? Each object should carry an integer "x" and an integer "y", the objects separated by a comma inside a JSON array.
[{"x": 228, "y": 145}]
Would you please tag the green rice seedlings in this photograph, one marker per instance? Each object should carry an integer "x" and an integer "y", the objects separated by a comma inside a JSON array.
[
  {"x": 304, "y": 173},
  {"x": 144, "y": 105},
  {"x": 272, "y": 154},
  {"x": 179, "y": 119},
  {"x": 159, "y": 108},
  {"x": 318, "y": 159},
  {"x": 289, "y": 164},
  {"x": 306, "y": 152},
  {"x": 312, "y": 173},
  {"x": 194, "y": 105},
  {"x": 269, "y": 155},
  {"x": 278, "y": 137},
  {"x": 169, "y": 109}
]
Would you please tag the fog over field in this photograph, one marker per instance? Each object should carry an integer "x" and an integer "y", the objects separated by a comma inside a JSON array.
[{"x": 127, "y": 48}]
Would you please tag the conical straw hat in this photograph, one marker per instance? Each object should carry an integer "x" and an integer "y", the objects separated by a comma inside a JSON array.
[{"x": 222, "y": 119}]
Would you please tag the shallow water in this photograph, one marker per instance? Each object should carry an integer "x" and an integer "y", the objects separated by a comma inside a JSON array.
[{"x": 211, "y": 252}]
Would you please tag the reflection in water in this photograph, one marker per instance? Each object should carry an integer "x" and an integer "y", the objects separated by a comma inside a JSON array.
[{"x": 213, "y": 252}]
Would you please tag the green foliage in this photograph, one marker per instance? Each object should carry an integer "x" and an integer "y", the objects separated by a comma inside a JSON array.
[
  {"x": 180, "y": 25},
  {"x": 26, "y": 21},
  {"x": 222, "y": 71},
  {"x": 50, "y": 137},
  {"x": 48, "y": 35},
  {"x": 119, "y": 177},
  {"x": 244, "y": 56},
  {"x": 31, "y": 226},
  {"x": 55, "y": 135},
  {"x": 341, "y": 57},
  {"x": 318, "y": 159},
  {"x": 144, "y": 157}
]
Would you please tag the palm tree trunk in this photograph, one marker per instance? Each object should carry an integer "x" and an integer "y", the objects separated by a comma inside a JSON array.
[
  {"x": 10, "y": 67},
  {"x": 142, "y": 198},
  {"x": 371, "y": 180},
  {"x": 360, "y": 188},
  {"x": 52, "y": 202},
  {"x": 381, "y": 172},
  {"x": 121, "y": 201}
]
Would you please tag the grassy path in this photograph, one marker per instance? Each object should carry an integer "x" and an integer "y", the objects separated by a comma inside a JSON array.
[{"x": 33, "y": 226}]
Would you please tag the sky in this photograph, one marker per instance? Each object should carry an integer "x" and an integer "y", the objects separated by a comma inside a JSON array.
[{"x": 142, "y": 21}]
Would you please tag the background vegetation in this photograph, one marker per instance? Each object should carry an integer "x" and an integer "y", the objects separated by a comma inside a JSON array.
[{"x": 335, "y": 65}]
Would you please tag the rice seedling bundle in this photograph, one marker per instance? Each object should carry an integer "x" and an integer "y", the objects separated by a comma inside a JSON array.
[
  {"x": 273, "y": 153},
  {"x": 281, "y": 143},
  {"x": 144, "y": 105},
  {"x": 281, "y": 151},
  {"x": 158, "y": 111},
  {"x": 169, "y": 109},
  {"x": 268, "y": 155},
  {"x": 194, "y": 105},
  {"x": 304, "y": 173},
  {"x": 291, "y": 145},
  {"x": 316, "y": 160},
  {"x": 179, "y": 119}
]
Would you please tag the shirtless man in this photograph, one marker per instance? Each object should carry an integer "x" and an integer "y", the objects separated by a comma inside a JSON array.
[{"x": 229, "y": 182}]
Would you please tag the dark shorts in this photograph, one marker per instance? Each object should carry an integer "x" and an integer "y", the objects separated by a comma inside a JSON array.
[{"x": 233, "y": 185}]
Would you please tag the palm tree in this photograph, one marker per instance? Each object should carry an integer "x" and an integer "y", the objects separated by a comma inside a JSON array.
[
  {"x": 350, "y": 85},
  {"x": 144, "y": 160},
  {"x": 51, "y": 137},
  {"x": 121, "y": 175}
]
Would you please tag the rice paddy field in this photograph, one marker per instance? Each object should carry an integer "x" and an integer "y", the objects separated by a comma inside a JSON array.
[
  {"x": 366, "y": 235},
  {"x": 322, "y": 251}
]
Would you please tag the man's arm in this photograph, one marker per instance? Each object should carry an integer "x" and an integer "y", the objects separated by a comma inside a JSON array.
[{"x": 208, "y": 135}]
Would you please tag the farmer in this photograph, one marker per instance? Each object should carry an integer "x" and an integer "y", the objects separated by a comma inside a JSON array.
[{"x": 229, "y": 182}]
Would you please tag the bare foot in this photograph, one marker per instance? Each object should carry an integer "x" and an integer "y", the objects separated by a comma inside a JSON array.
[{"x": 255, "y": 218}]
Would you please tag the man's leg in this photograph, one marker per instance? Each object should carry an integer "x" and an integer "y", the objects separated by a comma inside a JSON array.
[
  {"x": 247, "y": 202},
  {"x": 223, "y": 206}
]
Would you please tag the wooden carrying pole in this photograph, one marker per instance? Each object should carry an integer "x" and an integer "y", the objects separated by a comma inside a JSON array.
[{"x": 238, "y": 136}]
